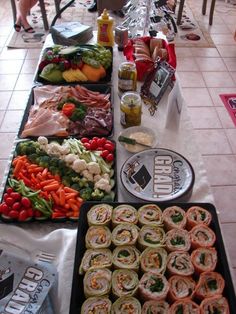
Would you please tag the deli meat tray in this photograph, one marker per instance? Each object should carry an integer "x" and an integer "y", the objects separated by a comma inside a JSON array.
[
  {"x": 48, "y": 180},
  {"x": 66, "y": 68},
  {"x": 63, "y": 111},
  {"x": 150, "y": 256}
]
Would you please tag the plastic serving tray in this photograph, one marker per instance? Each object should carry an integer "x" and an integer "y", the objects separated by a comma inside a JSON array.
[
  {"x": 77, "y": 294},
  {"x": 106, "y": 79},
  {"x": 102, "y": 88}
]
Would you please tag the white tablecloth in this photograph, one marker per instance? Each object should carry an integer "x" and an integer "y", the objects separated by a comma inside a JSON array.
[{"x": 173, "y": 131}]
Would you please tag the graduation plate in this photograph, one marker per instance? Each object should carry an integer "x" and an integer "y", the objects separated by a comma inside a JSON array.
[{"x": 158, "y": 174}]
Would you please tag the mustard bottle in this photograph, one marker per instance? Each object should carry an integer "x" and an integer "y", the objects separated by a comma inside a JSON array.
[{"x": 105, "y": 35}]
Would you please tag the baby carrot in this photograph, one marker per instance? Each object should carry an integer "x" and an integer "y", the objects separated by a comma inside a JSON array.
[
  {"x": 70, "y": 190},
  {"x": 62, "y": 197},
  {"x": 18, "y": 166},
  {"x": 55, "y": 197},
  {"x": 51, "y": 187},
  {"x": 70, "y": 195}
]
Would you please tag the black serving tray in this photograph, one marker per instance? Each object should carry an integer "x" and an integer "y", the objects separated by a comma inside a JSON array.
[
  {"x": 101, "y": 88},
  {"x": 55, "y": 220},
  {"x": 41, "y": 81},
  {"x": 77, "y": 294}
]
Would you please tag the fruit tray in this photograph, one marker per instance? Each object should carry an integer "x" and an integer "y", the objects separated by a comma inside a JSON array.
[
  {"x": 221, "y": 267},
  {"x": 62, "y": 111},
  {"x": 71, "y": 60},
  {"x": 50, "y": 179}
]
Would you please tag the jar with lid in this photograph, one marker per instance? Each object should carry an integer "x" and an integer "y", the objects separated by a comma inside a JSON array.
[
  {"x": 130, "y": 109},
  {"x": 127, "y": 77}
]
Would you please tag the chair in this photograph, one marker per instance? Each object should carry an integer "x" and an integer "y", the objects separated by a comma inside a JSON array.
[
  {"x": 42, "y": 8},
  {"x": 110, "y": 5},
  {"x": 204, "y": 5}
]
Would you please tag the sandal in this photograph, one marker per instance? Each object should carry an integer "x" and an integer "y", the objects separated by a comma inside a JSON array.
[
  {"x": 17, "y": 27},
  {"x": 29, "y": 29}
]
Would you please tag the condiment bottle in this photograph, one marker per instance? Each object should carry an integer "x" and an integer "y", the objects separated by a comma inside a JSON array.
[
  {"x": 130, "y": 109},
  {"x": 105, "y": 35},
  {"x": 127, "y": 77}
]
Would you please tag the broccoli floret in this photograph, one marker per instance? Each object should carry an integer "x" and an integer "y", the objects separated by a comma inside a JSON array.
[
  {"x": 61, "y": 164},
  {"x": 76, "y": 187},
  {"x": 33, "y": 158},
  {"x": 109, "y": 197},
  {"x": 54, "y": 170},
  {"x": 54, "y": 162},
  {"x": 85, "y": 193},
  {"x": 97, "y": 195},
  {"x": 66, "y": 180},
  {"x": 44, "y": 161},
  {"x": 26, "y": 148}
]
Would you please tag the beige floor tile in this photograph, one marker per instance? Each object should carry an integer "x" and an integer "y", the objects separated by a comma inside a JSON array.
[
  {"x": 3, "y": 166},
  {"x": 231, "y": 134},
  {"x": 187, "y": 64},
  {"x": 225, "y": 118},
  {"x": 6, "y": 144},
  {"x": 204, "y": 52},
  {"x": 29, "y": 66},
  {"x": 213, "y": 142},
  {"x": 12, "y": 121},
  {"x": 183, "y": 52},
  {"x": 218, "y": 79},
  {"x": 2, "y": 114},
  {"x": 24, "y": 82},
  {"x": 229, "y": 236},
  {"x": 233, "y": 74},
  {"x": 3, "y": 40},
  {"x": 7, "y": 81},
  {"x": 211, "y": 64},
  {"x": 204, "y": 118},
  {"x": 215, "y": 92},
  {"x": 223, "y": 39},
  {"x": 191, "y": 79},
  {"x": 4, "y": 99},
  {"x": 197, "y": 97},
  {"x": 10, "y": 66},
  {"x": 18, "y": 100},
  {"x": 225, "y": 200},
  {"x": 218, "y": 29},
  {"x": 13, "y": 54},
  {"x": 227, "y": 51},
  {"x": 230, "y": 63},
  {"x": 33, "y": 54},
  {"x": 220, "y": 169}
]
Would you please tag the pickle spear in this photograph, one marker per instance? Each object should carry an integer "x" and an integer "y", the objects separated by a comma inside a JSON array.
[{"x": 131, "y": 141}]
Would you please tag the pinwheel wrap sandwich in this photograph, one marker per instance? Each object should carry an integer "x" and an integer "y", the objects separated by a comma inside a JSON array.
[
  {"x": 179, "y": 263},
  {"x": 96, "y": 305},
  {"x": 178, "y": 240},
  {"x": 125, "y": 234},
  {"x": 197, "y": 215},
  {"x": 155, "y": 307},
  {"x": 126, "y": 257},
  {"x": 150, "y": 214},
  {"x": 124, "y": 283},
  {"x": 124, "y": 213},
  {"x": 174, "y": 217},
  {"x": 151, "y": 236},
  {"x": 215, "y": 304},
  {"x": 185, "y": 306},
  {"x": 209, "y": 284},
  {"x": 97, "y": 282},
  {"x": 181, "y": 287},
  {"x": 202, "y": 236},
  {"x": 99, "y": 215},
  {"x": 95, "y": 258},
  {"x": 154, "y": 260},
  {"x": 98, "y": 237},
  {"x": 204, "y": 259},
  {"x": 153, "y": 287}
]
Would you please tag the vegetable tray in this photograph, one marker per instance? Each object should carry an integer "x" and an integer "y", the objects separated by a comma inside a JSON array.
[
  {"x": 48, "y": 180},
  {"x": 40, "y": 80},
  {"x": 81, "y": 122},
  {"x": 222, "y": 266}
]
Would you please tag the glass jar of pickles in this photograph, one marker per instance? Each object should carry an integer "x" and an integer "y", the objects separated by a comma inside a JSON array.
[
  {"x": 127, "y": 77},
  {"x": 130, "y": 109}
]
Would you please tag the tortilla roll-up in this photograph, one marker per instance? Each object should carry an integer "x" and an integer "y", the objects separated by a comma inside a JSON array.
[
  {"x": 126, "y": 257},
  {"x": 181, "y": 287},
  {"x": 124, "y": 213},
  {"x": 155, "y": 307},
  {"x": 179, "y": 263},
  {"x": 126, "y": 305},
  {"x": 151, "y": 236},
  {"x": 204, "y": 259},
  {"x": 97, "y": 282},
  {"x": 96, "y": 305},
  {"x": 215, "y": 304},
  {"x": 202, "y": 236},
  {"x": 153, "y": 287},
  {"x": 125, "y": 234},
  {"x": 150, "y": 214},
  {"x": 209, "y": 284},
  {"x": 95, "y": 258},
  {"x": 185, "y": 306},
  {"x": 174, "y": 217},
  {"x": 98, "y": 237},
  {"x": 154, "y": 260},
  {"x": 197, "y": 215},
  {"x": 124, "y": 283},
  {"x": 178, "y": 240},
  {"x": 100, "y": 215}
]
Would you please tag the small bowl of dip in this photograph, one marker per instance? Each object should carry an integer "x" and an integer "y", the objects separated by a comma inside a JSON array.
[{"x": 142, "y": 135}]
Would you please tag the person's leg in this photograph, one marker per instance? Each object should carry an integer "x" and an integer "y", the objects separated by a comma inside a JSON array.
[{"x": 23, "y": 9}]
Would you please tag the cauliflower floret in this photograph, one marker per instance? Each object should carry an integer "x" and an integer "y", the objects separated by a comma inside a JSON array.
[
  {"x": 70, "y": 158},
  {"x": 96, "y": 177},
  {"x": 103, "y": 184},
  {"x": 106, "y": 176},
  {"x": 86, "y": 174},
  {"x": 65, "y": 149},
  {"x": 54, "y": 149},
  {"x": 93, "y": 167},
  {"x": 42, "y": 140},
  {"x": 79, "y": 165}
]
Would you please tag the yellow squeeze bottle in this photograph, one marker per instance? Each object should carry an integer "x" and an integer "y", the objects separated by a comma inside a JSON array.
[{"x": 105, "y": 35}]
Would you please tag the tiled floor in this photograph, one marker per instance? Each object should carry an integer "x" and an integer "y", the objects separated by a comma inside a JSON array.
[{"x": 204, "y": 74}]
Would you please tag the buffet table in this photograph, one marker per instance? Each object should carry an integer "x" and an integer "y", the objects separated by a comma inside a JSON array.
[{"x": 174, "y": 131}]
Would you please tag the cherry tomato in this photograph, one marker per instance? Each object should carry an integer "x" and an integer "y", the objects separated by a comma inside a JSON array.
[
  {"x": 23, "y": 215},
  {"x": 110, "y": 157},
  {"x": 93, "y": 145},
  {"x": 16, "y": 206},
  {"x": 9, "y": 201},
  {"x": 87, "y": 146},
  {"x": 38, "y": 213},
  {"x": 25, "y": 202},
  {"x": 101, "y": 141},
  {"x": 3, "y": 206},
  {"x": 99, "y": 148},
  {"x": 84, "y": 140},
  {"x": 105, "y": 153},
  {"x": 5, "y": 196},
  {"x": 109, "y": 147},
  {"x": 9, "y": 190},
  {"x": 95, "y": 138},
  {"x": 30, "y": 212},
  {"x": 13, "y": 214},
  {"x": 16, "y": 196},
  {"x": 5, "y": 209}
]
